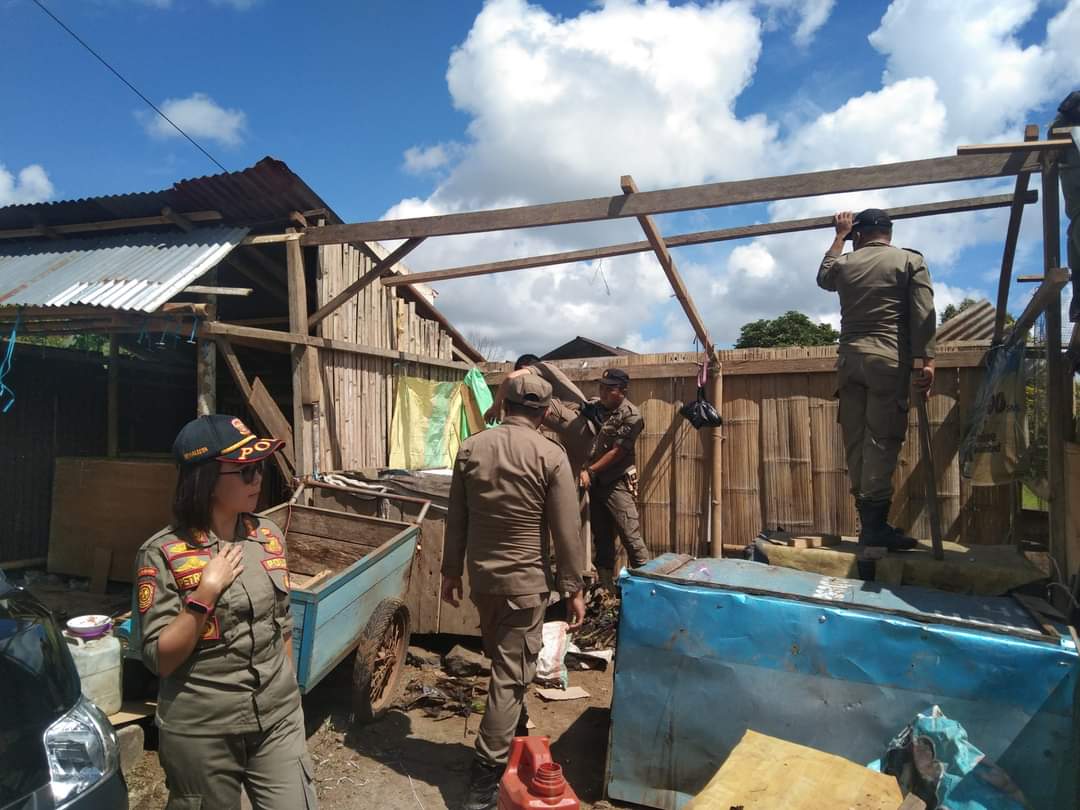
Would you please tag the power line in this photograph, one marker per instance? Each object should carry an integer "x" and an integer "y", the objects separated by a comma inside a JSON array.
[{"x": 132, "y": 87}]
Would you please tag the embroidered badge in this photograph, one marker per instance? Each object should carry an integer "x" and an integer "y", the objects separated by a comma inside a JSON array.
[
  {"x": 146, "y": 596},
  {"x": 273, "y": 543},
  {"x": 175, "y": 547},
  {"x": 241, "y": 428},
  {"x": 211, "y": 630},
  {"x": 191, "y": 561},
  {"x": 275, "y": 564},
  {"x": 189, "y": 582},
  {"x": 149, "y": 571}
]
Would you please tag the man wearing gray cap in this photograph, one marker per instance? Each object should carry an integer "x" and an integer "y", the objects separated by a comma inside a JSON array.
[
  {"x": 512, "y": 493},
  {"x": 887, "y": 321}
]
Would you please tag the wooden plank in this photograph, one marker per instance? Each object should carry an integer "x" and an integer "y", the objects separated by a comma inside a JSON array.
[
  {"x": 309, "y": 584},
  {"x": 716, "y": 466},
  {"x": 1015, "y": 148},
  {"x": 834, "y": 508},
  {"x": 701, "y": 238},
  {"x": 205, "y": 289},
  {"x": 926, "y": 445},
  {"x": 712, "y": 195},
  {"x": 112, "y": 442},
  {"x": 112, "y": 224},
  {"x": 205, "y": 377},
  {"x": 367, "y": 530},
  {"x": 384, "y": 266},
  {"x": 301, "y": 384},
  {"x": 270, "y": 238},
  {"x": 309, "y": 554},
  {"x": 181, "y": 221},
  {"x": 99, "y": 573},
  {"x": 251, "y": 333},
  {"x": 105, "y": 503},
  {"x": 271, "y": 417},
  {"x": 1041, "y": 301},
  {"x": 663, "y": 255},
  {"x": 1012, "y": 235}
]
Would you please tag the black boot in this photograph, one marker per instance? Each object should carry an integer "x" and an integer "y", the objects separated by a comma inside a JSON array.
[
  {"x": 483, "y": 791},
  {"x": 876, "y": 532}
]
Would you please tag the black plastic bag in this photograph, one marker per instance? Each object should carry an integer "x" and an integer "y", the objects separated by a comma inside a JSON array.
[{"x": 701, "y": 413}]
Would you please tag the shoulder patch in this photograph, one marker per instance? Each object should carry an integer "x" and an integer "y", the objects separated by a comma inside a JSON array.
[
  {"x": 147, "y": 571},
  {"x": 146, "y": 596},
  {"x": 211, "y": 630},
  {"x": 275, "y": 564}
]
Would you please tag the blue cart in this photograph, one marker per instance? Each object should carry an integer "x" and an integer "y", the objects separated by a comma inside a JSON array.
[{"x": 350, "y": 575}]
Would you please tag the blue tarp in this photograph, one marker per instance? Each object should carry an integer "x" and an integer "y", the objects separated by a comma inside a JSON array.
[{"x": 715, "y": 647}]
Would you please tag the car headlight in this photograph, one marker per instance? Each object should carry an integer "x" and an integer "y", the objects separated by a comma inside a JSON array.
[{"x": 82, "y": 751}]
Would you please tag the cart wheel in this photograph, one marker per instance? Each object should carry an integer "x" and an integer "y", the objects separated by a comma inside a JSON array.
[{"x": 380, "y": 660}]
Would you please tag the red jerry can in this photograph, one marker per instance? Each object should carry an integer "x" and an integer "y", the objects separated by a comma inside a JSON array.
[{"x": 532, "y": 781}]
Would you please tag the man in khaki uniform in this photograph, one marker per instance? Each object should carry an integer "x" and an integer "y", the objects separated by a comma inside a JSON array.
[
  {"x": 512, "y": 492},
  {"x": 1069, "y": 175},
  {"x": 887, "y": 322}
]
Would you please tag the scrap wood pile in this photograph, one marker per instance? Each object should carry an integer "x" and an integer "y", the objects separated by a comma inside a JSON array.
[
  {"x": 447, "y": 697},
  {"x": 601, "y": 622}
]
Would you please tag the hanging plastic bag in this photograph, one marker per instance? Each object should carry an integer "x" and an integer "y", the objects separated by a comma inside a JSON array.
[{"x": 701, "y": 413}]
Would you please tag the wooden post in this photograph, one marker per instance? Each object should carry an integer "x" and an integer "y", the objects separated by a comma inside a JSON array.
[
  {"x": 716, "y": 479},
  {"x": 1031, "y": 133},
  {"x": 303, "y": 360},
  {"x": 205, "y": 376},
  {"x": 113, "y": 394},
  {"x": 1059, "y": 404}
]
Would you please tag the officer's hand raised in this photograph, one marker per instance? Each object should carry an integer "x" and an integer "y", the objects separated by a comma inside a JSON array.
[
  {"x": 843, "y": 222},
  {"x": 220, "y": 572}
]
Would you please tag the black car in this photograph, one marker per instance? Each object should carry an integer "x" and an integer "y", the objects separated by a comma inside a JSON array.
[{"x": 57, "y": 750}]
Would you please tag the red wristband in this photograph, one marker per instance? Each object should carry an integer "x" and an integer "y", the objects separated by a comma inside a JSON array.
[{"x": 195, "y": 606}]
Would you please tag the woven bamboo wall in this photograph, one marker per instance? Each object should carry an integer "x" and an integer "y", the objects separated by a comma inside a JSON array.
[
  {"x": 783, "y": 461},
  {"x": 358, "y": 391}
]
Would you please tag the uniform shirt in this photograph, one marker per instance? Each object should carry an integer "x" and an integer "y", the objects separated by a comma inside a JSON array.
[
  {"x": 618, "y": 428},
  {"x": 236, "y": 680},
  {"x": 511, "y": 490},
  {"x": 886, "y": 301}
]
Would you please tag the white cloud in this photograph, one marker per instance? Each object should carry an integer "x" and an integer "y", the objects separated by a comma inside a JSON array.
[
  {"x": 420, "y": 160},
  {"x": 561, "y": 107},
  {"x": 31, "y": 185},
  {"x": 811, "y": 15},
  {"x": 200, "y": 116}
]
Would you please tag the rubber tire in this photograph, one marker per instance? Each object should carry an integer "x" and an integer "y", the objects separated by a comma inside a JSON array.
[{"x": 391, "y": 615}]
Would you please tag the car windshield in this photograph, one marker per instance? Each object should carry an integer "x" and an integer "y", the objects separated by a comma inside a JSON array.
[{"x": 40, "y": 684}]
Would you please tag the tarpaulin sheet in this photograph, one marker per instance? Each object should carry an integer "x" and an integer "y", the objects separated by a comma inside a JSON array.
[
  {"x": 425, "y": 431},
  {"x": 716, "y": 647}
]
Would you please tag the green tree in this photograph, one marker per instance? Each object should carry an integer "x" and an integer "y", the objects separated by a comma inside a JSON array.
[
  {"x": 952, "y": 310},
  {"x": 790, "y": 329}
]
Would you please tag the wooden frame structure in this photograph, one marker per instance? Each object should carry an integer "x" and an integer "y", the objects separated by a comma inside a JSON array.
[{"x": 1019, "y": 160}]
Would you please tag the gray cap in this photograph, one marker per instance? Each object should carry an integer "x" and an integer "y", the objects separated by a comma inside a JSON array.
[{"x": 529, "y": 390}]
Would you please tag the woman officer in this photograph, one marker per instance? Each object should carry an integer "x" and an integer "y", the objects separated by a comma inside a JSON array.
[{"x": 213, "y": 610}]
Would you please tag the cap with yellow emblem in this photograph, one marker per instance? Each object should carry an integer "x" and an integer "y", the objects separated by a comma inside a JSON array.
[{"x": 218, "y": 437}]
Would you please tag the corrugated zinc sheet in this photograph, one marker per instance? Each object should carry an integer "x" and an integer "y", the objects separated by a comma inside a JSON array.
[
  {"x": 974, "y": 323},
  {"x": 138, "y": 271},
  {"x": 721, "y": 646}
]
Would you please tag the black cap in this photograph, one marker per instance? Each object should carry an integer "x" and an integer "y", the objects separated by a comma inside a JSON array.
[
  {"x": 870, "y": 219},
  {"x": 218, "y": 437},
  {"x": 615, "y": 377}
]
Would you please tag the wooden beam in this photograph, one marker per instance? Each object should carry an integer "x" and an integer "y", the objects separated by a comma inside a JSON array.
[
  {"x": 298, "y": 219},
  {"x": 48, "y": 232},
  {"x": 700, "y": 238},
  {"x": 112, "y": 409},
  {"x": 205, "y": 377},
  {"x": 663, "y": 255},
  {"x": 716, "y": 477},
  {"x": 254, "y": 335},
  {"x": 111, "y": 224},
  {"x": 203, "y": 289},
  {"x": 304, "y": 359},
  {"x": 1048, "y": 291},
  {"x": 381, "y": 268},
  {"x": 182, "y": 222},
  {"x": 1035, "y": 145},
  {"x": 1029, "y": 279},
  {"x": 711, "y": 195},
  {"x": 1012, "y": 235},
  {"x": 270, "y": 238},
  {"x": 1058, "y": 395}
]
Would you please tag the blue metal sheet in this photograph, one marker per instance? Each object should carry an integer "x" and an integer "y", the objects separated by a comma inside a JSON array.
[{"x": 717, "y": 647}]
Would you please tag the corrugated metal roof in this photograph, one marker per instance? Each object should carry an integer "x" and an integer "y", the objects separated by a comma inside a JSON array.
[
  {"x": 976, "y": 323},
  {"x": 261, "y": 195},
  {"x": 138, "y": 271}
]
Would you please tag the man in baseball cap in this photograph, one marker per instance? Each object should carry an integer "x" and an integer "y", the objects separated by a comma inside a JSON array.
[{"x": 887, "y": 321}]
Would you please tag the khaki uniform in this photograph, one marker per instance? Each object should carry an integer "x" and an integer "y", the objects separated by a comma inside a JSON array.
[
  {"x": 614, "y": 491},
  {"x": 230, "y": 714},
  {"x": 1069, "y": 176},
  {"x": 511, "y": 493},
  {"x": 887, "y": 319}
]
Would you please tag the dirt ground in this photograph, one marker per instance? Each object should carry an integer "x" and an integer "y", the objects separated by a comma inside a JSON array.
[{"x": 409, "y": 760}]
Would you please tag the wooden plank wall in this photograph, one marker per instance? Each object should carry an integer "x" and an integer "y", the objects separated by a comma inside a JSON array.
[
  {"x": 783, "y": 461},
  {"x": 358, "y": 391}
]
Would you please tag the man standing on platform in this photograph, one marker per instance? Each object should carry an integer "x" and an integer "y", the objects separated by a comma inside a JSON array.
[
  {"x": 887, "y": 322},
  {"x": 512, "y": 493}
]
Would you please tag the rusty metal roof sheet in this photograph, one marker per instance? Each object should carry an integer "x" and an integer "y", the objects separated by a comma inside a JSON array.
[{"x": 138, "y": 271}]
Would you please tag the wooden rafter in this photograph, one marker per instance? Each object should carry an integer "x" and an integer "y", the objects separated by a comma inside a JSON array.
[
  {"x": 663, "y": 255},
  {"x": 382, "y": 267},
  {"x": 111, "y": 224},
  {"x": 1012, "y": 235},
  {"x": 711, "y": 195},
  {"x": 1032, "y": 145},
  {"x": 701, "y": 238}
]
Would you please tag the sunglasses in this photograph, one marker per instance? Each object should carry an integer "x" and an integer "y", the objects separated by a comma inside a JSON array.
[{"x": 247, "y": 472}]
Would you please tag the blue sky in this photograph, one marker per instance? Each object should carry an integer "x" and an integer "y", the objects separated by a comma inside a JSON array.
[{"x": 342, "y": 91}]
